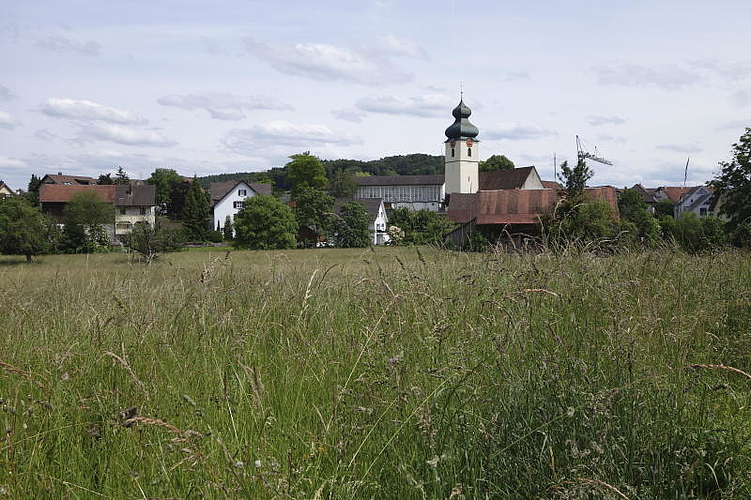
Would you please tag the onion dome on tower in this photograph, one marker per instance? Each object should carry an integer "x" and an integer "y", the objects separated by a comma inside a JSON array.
[{"x": 461, "y": 128}]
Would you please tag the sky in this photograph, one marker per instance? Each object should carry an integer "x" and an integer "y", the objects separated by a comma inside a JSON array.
[{"x": 234, "y": 86}]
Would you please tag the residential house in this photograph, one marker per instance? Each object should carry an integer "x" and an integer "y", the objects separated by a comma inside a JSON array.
[
  {"x": 132, "y": 204},
  {"x": 699, "y": 200},
  {"x": 377, "y": 215},
  {"x": 5, "y": 190},
  {"x": 68, "y": 180},
  {"x": 672, "y": 193},
  {"x": 227, "y": 198},
  {"x": 647, "y": 195}
]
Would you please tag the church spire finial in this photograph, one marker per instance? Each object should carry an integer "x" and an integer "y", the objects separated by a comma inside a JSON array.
[{"x": 461, "y": 91}]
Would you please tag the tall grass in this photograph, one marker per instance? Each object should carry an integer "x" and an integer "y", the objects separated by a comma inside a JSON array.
[{"x": 387, "y": 373}]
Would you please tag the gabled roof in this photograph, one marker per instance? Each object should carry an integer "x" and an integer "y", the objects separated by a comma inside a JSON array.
[
  {"x": 647, "y": 194},
  {"x": 514, "y": 206},
  {"x": 4, "y": 185},
  {"x": 512, "y": 178},
  {"x": 551, "y": 185},
  {"x": 373, "y": 205},
  {"x": 62, "y": 193},
  {"x": 399, "y": 180},
  {"x": 135, "y": 196},
  {"x": 68, "y": 179},
  {"x": 674, "y": 193},
  {"x": 219, "y": 190}
]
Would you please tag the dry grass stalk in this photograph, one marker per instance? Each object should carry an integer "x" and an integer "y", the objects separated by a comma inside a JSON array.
[
  {"x": 531, "y": 290},
  {"x": 12, "y": 369},
  {"x": 595, "y": 483},
  {"x": 127, "y": 367},
  {"x": 159, "y": 423},
  {"x": 720, "y": 367}
]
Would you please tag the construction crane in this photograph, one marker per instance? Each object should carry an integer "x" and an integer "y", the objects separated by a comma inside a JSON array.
[{"x": 583, "y": 154}]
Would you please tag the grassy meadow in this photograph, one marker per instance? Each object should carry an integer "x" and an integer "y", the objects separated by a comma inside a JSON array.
[{"x": 384, "y": 373}]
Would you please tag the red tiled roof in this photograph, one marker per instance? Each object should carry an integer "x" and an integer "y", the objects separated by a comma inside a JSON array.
[
  {"x": 551, "y": 185},
  {"x": 61, "y": 193},
  {"x": 675, "y": 193},
  {"x": 514, "y": 206}
]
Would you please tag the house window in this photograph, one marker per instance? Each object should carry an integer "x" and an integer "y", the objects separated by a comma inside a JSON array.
[
  {"x": 469, "y": 151},
  {"x": 122, "y": 210},
  {"x": 238, "y": 204},
  {"x": 143, "y": 210},
  {"x": 702, "y": 212},
  {"x": 242, "y": 192}
]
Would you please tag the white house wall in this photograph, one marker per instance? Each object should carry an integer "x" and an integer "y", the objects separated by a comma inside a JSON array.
[{"x": 227, "y": 205}]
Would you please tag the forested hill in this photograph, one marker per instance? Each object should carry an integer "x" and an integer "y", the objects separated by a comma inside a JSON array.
[{"x": 414, "y": 164}]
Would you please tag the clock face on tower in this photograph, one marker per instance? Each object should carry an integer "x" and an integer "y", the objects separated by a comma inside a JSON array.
[
  {"x": 453, "y": 143},
  {"x": 469, "y": 143}
]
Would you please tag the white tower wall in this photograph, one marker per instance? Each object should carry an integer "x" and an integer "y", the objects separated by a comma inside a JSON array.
[{"x": 462, "y": 166}]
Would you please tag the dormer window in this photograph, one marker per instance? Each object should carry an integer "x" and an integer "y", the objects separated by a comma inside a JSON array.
[{"x": 242, "y": 192}]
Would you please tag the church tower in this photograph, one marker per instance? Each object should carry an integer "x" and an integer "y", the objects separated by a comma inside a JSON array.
[{"x": 461, "y": 170}]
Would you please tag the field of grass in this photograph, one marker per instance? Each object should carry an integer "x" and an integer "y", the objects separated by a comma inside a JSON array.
[{"x": 386, "y": 373}]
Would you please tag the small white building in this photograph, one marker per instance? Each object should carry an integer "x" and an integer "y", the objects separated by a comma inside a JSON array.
[
  {"x": 227, "y": 198},
  {"x": 378, "y": 218}
]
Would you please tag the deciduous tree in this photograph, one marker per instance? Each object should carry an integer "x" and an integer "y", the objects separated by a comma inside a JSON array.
[
  {"x": 312, "y": 211},
  {"x": 351, "y": 227},
  {"x": 265, "y": 223},
  {"x": 305, "y": 170},
  {"x": 496, "y": 162},
  {"x": 24, "y": 230}
]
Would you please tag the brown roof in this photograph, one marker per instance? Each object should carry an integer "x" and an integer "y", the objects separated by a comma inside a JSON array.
[
  {"x": 61, "y": 193},
  {"x": 135, "y": 196},
  {"x": 398, "y": 180},
  {"x": 675, "y": 193},
  {"x": 551, "y": 185},
  {"x": 646, "y": 194},
  {"x": 512, "y": 178},
  {"x": 220, "y": 189},
  {"x": 68, "y": 179},
  {"x": 514, "y": 206}
]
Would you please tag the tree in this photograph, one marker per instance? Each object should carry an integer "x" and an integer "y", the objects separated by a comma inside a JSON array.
[
  {"x": 305, "y": 170},
  {"x": 196, "y": 212},
  {"x": 496, "y": 162},
  {"x": 32, "y": 191},
  {"x": 733, "y": 183},
  {"x": 420, "y": 227},
  {"x": 342, "y": 185},
  {"x": 170, "y": 191},
  {"x": 84, "y": 216},
  {"x": 351, "y": 227},
  {"x": 265, "y": 223},
  {"x": 105, "y": 179},
  {"x": 696, "y": 234},
  {"x": 312, "y": 211},
  {"x": 229, "y": 231},
  {"x": 575, "y": 179},
  {"x": 664, "y": 207},
  {"x": 121, "y": 177},
  {"x": 150, "y": 241},
  {"x": 24, "y": 230},
  {"x": 633, "y": 210}
]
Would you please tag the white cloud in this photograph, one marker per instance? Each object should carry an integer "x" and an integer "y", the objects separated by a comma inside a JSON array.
[
  {"x": 276, "y": 133},
  {"x": 738, "y": 70},
  {"x": 61, "y": 45},
  {"x": 518, "y": 76},
  {"x": 597, "y": 121},
  {"x": 681, "y": 148},
  {"x": 399, "y": 46},
  {"x": 87, "y": 110},
  {"x": 665, "y": 77},
  {"x": 740, "y": 98},
  {"x": 348, "y": 115},
  {"x": 739, "y": 125},
  {"x": 45, "y": 135},
  {"x": 327, "y": 62},
  {"x": 424, "y": 106},
  {"x": 516, "y": 132},
  {"x": 223, "y": 106},
  {"x": 124, "y": 135},
  {"x": 6, "y": 162},
  {"x": 8, "y": 121}
]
